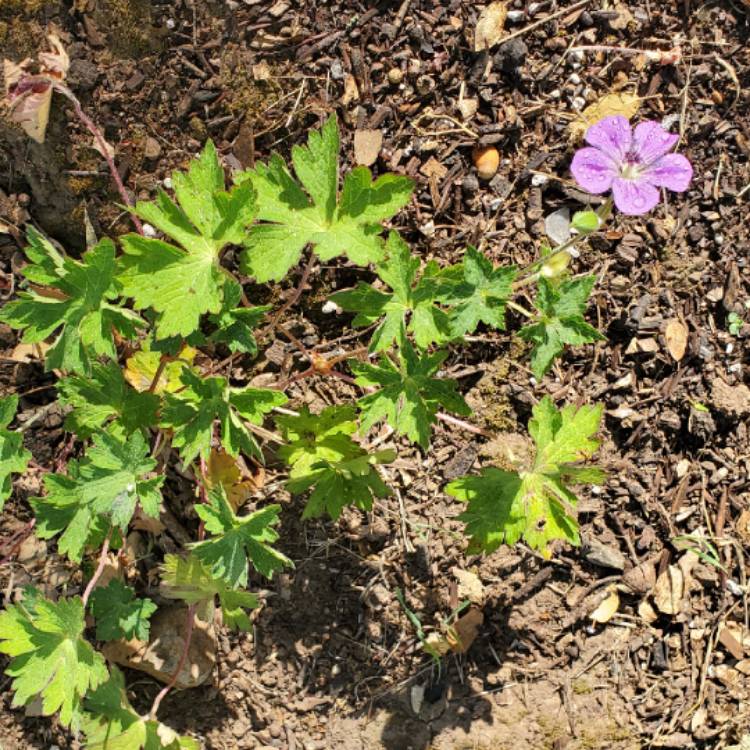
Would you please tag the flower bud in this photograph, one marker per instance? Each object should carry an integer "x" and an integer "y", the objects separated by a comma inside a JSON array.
[{"x": 555, "y": 265}]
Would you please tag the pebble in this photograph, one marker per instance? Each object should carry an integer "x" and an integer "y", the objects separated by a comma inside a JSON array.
[{"x": 152, "y": 148}]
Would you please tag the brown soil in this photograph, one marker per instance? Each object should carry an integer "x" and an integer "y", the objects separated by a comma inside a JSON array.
[{"x": 332, "y": 661}]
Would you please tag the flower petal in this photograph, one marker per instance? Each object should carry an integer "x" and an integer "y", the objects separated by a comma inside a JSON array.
[
  {"x": 612, "y": 135},
  {"x": 650, "y": 141},
  {"x": 634, "y": 197},
  {"x": 672, "y": 171},
  {"x": 592, "y": 170}
]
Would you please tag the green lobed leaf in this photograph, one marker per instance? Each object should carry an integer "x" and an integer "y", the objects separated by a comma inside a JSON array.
[
  {"x": 535, "y": 504},
  {"x": 561, "y": 309},
  {"x": 238, "y": 540},
  {"x": 14, "y": 458},
  {"x": 294, "y": 217},
  {"x": 408, "y": 395},
  {"x": 119, "y": 613},
  {"x": 75, "y": 306},
  {"x": 100, "y": 491},
  {"x": 191, "y": 414},
  {"x": 111, "y": 723},
  {"x": 234, "y": 325},
  {"x": 478, "y": 295},
  {"x": 412, "y": 302},
  {"x": 102, "y": 395},
  {"x": 184, "y": 283},
  {"x": 49, "y": 656},
  {"x": 189, "y": 580},
  {"x": 323, "y": 456}
]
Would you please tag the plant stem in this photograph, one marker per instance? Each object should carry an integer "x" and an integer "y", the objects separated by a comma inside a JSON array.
[
  {"x": 163, "y": 361},
  {"x": 99, "y": 568},
  {"x": 520, "y": 309},
  {"x": 104, "y": 147},
  {"x": 190, "y": 619},
  {"x": 180, "y": 664}
]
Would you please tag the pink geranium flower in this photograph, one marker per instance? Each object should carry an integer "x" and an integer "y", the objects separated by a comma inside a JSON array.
[{"x": 632, "y": 163}]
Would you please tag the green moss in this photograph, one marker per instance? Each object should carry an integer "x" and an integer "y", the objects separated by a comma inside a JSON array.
[
  {"x": 128, "y": 25},
  {"x": 246, "y": 96},
  {"x": 581, "y": 687}
]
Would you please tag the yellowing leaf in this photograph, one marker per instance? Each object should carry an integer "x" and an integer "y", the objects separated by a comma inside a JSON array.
[
  {"x": 140, "y": 370},
  {"x": 223, "y": 470},
  {"x": 620, "y": 103},
  {"x": 30, "y": 95},
  {"x": 490, "y": 28}
]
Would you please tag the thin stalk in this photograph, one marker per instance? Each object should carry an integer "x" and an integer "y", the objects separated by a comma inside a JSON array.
[
  {"x": 104, "y": 147},
  {"x": 189, "y": 625},
  {"x": 520, "y": 309},
  {"x": 99, "y": 568}
]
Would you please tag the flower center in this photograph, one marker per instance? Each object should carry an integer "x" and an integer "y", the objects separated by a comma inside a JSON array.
[{"x": 631, "y": 166}]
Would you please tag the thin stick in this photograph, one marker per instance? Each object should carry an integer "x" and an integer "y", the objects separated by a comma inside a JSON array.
[
  {"x": 443, "y": 417},
  {"x": 542, "y": 21},
  {"x": 292, "y": 300},
  {"x": 99, "y": 568}
]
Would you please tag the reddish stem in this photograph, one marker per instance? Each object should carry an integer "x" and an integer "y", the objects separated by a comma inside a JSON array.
[
  {"x": 183, "y": 658},
  {"x": 99, "y": 569},
  {"x": 104, "y": 147},
  {"x": 190, "y": 621},
  {"x": 12, "y": 545}
]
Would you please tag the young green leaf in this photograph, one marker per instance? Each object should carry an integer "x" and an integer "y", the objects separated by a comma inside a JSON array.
[
  {"x": 294, "y": 218},
  {"x": 234, "y": 325},
  {"x": 189, "y": 580},
  {"x": 100, "y": 491},
  {"x": 412, "y": 302},
  {"x": 119, "y": 613},
  {"x": 192, "y": 412},
  {"x": 408, "y": 395},
  {"x": 14, "y": 458},
  {"x": 102, "y": 395},
  {"x": 75, "y": 303},
  {"x": 111, "y": 723},
  {"x": 351, "y": 481},
  {"x": 311, "y": 438},
  {"x": 585, "y": 222},
  {"x": 237, "y": 540},
  {"x": 322, "y": 455},
  {"x": 561, "y": 309},
  {"x": 479, "y": 295},
  {"x": 184, "y": 283},
  {"x": 49, "y": 656},
  {"x": 534, "y": 504}
]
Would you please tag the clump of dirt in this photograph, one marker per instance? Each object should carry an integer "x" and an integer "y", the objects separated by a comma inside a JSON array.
[
  {"x": 489, "y": 400},
  {"x": 129, "y": 27},
  {"x": 19, "y": 37},
  {"x": 248, "y": 93}
]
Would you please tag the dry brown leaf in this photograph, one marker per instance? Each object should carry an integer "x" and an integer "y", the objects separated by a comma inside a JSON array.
[
  {"x": 608, "y": 607},
  {"x": 29, "y": 352},
  {"x": 367, "y": 145},
  {"x": 620, "y": 103},
  {"x": 676, "y": 336},
  {"x": 30, "y": 95},
  {"x": 99, "y": 146},
  {"x": 465, "y": 630},
  {"x": 669, "y": 590},
  {"x": 490, "y": 28}
]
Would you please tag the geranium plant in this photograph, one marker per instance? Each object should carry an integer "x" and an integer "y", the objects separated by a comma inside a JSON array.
[{"x": 127, "y": 322}]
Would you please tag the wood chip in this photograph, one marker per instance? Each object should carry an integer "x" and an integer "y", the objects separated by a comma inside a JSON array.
[
  {"x": 367, "y": 144},
  {"x": 669, "y": 590},
  {"x": 676, "y": 336}
]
